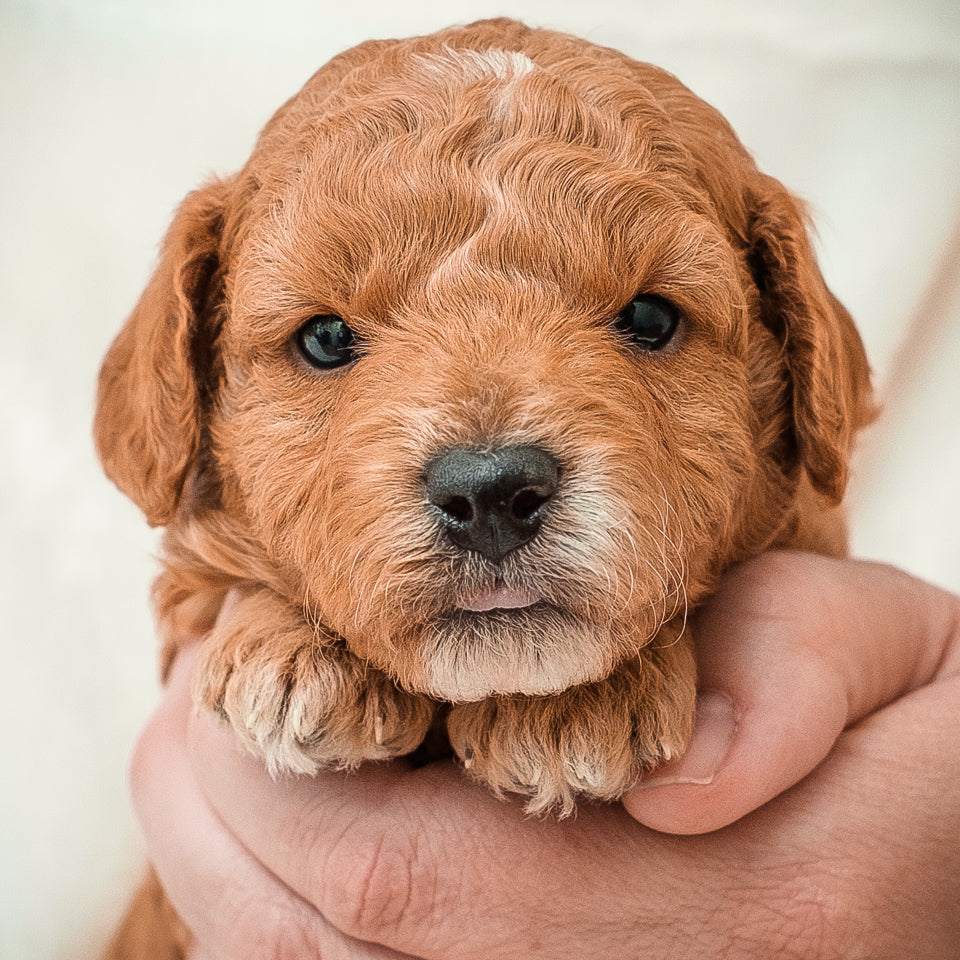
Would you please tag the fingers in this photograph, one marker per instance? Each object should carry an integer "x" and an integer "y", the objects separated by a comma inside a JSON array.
[
  {"x": 437, "y": 867},
  {"x": 793, "y": 649},
  {"x": 234, "y": 907}
]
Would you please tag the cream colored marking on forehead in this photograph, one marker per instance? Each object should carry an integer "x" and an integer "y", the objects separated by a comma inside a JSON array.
[
  {"x": 473, "y": 65},
  {"x": 458, "y": 261},
  {"x": 470, "y": 66}
]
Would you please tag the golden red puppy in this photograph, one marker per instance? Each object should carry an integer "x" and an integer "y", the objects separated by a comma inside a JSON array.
[{"x": 496, "y": 353}]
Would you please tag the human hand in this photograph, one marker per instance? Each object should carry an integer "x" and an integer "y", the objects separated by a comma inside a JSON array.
[{"x": 861, "y": 858}]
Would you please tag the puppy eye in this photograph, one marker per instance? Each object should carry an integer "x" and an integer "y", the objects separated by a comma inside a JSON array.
[
  {"x": 650, "y": 321},
  {"x": 326, "y": 341}
]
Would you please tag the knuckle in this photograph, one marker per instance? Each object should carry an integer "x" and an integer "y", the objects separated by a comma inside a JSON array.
[
  {"x": 380, "y": 882},
  {"x": 846, "y": 894},
  {"x": 799, "y": 927},
  {"x": 803, "y": 919},
  {"x": 270, "y": 932}
]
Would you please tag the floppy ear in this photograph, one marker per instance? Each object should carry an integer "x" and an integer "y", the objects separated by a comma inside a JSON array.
[
  {"x": 148, "y": 420},
  {"x": 828, "y": 367}
]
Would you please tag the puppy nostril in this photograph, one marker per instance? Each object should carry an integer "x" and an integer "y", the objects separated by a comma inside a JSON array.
[
  {"x": 457, "y": 508},
  {"x": 526, "y": 503}
]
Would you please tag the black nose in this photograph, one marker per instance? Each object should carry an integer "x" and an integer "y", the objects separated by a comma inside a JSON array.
[{"x": 491, "y": 502}]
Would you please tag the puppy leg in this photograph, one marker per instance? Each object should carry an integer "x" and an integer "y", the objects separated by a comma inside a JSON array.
[
  {"x": 151, "y": 929},
  {"x": 593, "y": 740},
  {"x": 300, "y": 699}
]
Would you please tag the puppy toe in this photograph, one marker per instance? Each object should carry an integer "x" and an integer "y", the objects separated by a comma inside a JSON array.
[
  {"x": 591, "y": 741},
  {"x": 303, "y": 704}
]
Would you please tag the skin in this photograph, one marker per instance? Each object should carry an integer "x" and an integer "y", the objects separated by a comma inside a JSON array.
[{"x": 815, "y": 815}]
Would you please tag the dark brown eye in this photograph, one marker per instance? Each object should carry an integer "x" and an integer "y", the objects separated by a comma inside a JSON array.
[
  {"x": 649, "y": 321},
  {"x": 326, "y": 341}
]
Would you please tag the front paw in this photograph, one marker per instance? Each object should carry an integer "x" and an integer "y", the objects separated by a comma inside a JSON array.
[
  {"x": 590, "y": 741},
  {"x": 300, "y": 701}
]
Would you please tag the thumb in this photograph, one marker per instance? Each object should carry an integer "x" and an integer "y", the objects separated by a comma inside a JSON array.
[{"x": 793, "y": 649}]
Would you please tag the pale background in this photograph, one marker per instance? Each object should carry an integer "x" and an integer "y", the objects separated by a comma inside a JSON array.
[{"x": 110, "y": 110}]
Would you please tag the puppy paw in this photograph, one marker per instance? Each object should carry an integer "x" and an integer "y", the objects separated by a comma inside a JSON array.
[
  {"x": 590, "y": 741},
  {"x": 300, "y": 701}
]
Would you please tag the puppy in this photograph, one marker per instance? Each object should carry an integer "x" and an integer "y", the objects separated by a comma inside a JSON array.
[{"x": 494, "y": 356}]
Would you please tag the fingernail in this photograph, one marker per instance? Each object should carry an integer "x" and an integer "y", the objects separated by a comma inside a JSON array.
[{"x": 713, "y": 732}]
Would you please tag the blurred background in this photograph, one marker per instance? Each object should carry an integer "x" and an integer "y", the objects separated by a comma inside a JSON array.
[{"x": 111, "y": 110}]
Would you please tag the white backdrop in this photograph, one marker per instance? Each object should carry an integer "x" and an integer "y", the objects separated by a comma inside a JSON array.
[{"x": 110, "y": 110}]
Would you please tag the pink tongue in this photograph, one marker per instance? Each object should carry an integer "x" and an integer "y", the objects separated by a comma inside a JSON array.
[{"x": 500, "y": 598}]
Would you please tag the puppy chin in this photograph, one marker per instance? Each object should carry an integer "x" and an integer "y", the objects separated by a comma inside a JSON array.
[{"x": 505, "y": 645}]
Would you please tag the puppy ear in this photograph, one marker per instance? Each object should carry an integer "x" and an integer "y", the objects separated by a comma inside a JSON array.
[
  {"x": 148, "y": 420},
  {"x": 828, "y": 367}
]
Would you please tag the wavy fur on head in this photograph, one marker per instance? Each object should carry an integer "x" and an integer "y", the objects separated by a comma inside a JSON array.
[{"x": 478, "y": 206}]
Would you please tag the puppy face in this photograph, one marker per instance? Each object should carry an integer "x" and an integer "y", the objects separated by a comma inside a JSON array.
[{"x": 499, "y": 349}]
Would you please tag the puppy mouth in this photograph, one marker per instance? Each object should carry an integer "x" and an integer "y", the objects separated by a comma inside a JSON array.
[
  {"x": 503, "y": 640},
  {"x": 500, "y": 597}
]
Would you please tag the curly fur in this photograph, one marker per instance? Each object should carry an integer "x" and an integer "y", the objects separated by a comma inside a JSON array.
[{"x": 479, "y": 204}]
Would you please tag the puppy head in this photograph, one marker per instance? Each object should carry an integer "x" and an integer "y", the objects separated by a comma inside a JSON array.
[{"x": 500, "y": 346}]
